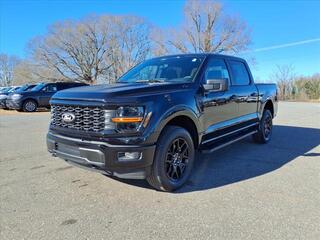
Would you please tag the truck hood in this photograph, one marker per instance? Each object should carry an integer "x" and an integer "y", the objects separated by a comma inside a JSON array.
[{"x": 108, "y": 92}]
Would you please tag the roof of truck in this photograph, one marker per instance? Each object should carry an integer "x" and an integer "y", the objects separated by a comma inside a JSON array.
[{"x": 200, "y": 54}]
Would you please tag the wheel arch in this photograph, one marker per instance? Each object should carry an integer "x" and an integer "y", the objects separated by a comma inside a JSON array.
[
  {"x": 29, "y": 98},
  {"x": 184, "y": 118},
  {"x": 269, "y": 106}
]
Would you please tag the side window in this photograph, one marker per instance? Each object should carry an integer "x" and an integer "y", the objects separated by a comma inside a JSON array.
[
  {"x": 50, "y": 88},
  {"x": 64, "y": 86},
  {"x": 240, "y": 75},
  {"x": 216, "y": 69}
]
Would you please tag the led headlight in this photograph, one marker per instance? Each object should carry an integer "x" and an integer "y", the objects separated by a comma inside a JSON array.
[
  {"x": 124, "y": 119},
  {"x": 2, "y": 96}
]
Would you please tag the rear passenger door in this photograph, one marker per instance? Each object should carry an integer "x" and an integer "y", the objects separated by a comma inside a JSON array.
[{"x": 246, "y": 94}]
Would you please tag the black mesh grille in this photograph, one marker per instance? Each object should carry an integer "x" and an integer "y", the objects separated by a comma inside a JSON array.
[{"x": 86, "y": 118}]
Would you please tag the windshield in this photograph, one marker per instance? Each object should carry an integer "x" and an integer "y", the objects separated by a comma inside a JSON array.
[
  {"x": 5, "y": 90},
  {"x": 166, "y": 69},
  {"x": 25, "y": 88},
  {"x": 38, "y": 87},
  {"x": 13, "y": 89}
]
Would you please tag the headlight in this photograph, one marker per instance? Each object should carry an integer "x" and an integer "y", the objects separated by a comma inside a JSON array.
[
  {"x": 16, "y": 96},
  {"x": 124, "y": 119},
  {"x": 2, "y": 96}
]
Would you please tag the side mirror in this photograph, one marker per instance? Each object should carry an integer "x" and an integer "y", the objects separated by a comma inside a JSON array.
[{"x": 216, "y": 85}]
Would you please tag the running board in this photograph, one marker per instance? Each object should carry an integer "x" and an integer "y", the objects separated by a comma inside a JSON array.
[{"x": 210, "y": 150}]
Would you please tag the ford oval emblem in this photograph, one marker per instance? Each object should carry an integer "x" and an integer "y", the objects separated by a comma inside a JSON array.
[{"x": 68, "y": 117}]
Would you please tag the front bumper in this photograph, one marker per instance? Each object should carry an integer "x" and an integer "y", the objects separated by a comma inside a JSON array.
[
  {"x": 13, "y": 104},
  {"x": 102, "y": 156}
]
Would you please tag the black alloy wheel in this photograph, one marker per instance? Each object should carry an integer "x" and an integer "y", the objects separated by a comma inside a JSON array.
[
  {"x": 265, "y": 128},
  {"x": 173, "y": 159},
  {"x": 177, "y": 159}
]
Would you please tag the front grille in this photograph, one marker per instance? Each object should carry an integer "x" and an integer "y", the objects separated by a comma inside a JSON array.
[{"x": 86, "y": 118}]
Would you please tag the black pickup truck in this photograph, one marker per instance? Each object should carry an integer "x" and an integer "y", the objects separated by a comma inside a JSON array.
[{"x": 152, "y": 122}]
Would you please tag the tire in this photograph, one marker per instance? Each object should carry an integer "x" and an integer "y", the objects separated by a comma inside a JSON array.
[
  {"x": 29, "y": 106},
  {"x": 173, "y": 160},
  {"x": 265, "y": 128}
]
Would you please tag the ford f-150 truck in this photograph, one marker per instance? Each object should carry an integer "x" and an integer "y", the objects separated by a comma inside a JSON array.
[{"x": 152, "y": 122}]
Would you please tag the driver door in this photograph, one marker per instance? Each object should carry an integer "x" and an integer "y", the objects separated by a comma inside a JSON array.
[{"x": 219, "y": 107}]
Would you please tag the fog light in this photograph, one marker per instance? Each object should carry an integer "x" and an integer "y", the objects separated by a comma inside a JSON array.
[{"x": 129, "y": 156}]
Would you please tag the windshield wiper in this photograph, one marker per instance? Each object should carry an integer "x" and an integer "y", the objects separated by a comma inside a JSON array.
[{"x": 150, "y": 81}]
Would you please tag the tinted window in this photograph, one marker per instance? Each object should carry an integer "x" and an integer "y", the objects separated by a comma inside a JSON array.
[
  {"x": 50, "y": 88},
  {"x": 69, "y": 85},
  {"x": 240, "y": 75},
  {"x": 216, "y": 69},
  {"x": 64, "y": 86}
]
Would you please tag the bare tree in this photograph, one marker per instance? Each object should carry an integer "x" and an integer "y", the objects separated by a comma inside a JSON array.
[
  {"x": 74, "y": 49},
  {"x": 92, "y": 49},
  {"x": 284, "y": 75},
  {"x": 7, "y": 64},
  {"x": 207, "y": 28},
  {"x": 27, "y": 71},
  {"x": 129, "y": 45}
]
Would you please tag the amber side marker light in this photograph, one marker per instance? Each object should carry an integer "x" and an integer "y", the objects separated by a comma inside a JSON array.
[{"x": 127, "y": 119}]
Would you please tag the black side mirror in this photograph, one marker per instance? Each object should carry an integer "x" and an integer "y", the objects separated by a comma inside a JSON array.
[{"x": 216, "y": 85}]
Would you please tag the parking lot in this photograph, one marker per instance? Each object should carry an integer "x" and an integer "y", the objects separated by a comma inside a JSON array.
[{"x": 244, "y": 191}]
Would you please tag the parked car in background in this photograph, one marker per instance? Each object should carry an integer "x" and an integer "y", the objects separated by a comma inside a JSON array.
[
  {"x": 2, "y": 89},
  {"x": 39, "y": 96},
  {"x": 153, "y": 121},
  {"x": 4, "y": 94},
  {"x": 24, "y": 88}
]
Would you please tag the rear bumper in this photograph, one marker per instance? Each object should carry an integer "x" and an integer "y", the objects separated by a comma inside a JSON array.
[
  {"x": 101, "y": 156},
  {"x": 13, "y": 104}
]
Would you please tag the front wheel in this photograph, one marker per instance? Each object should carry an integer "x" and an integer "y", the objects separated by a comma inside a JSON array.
[
  {"x": 29, "y": 106},
  {"x": 173, "y": 161},
  {"x": 265, "y": 128}
]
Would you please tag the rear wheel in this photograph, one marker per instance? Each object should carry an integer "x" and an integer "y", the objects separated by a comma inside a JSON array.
[
  {"x": 29, "y": 106},
  {"x": 265, "y": 128},
  {"x": 173, "y": 159}
]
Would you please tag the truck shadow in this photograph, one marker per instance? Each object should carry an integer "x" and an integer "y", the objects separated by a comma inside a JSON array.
[{"x": 245, "y": 159}]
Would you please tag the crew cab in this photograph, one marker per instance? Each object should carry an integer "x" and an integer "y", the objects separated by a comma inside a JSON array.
[
  {"x": 38, "y": 96},
  {"x": 152, "y": 122}
]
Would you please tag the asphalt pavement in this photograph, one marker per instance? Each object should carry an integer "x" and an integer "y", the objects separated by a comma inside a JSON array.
[{"x": 244, "y": 191}]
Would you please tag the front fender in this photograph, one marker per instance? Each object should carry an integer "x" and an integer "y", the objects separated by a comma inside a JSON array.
[{"x": 176, "y": 111}]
